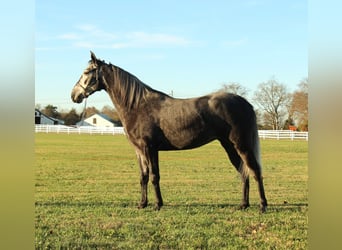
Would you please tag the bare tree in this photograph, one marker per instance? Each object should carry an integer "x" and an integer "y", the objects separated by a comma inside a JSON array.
[
  {"x": 273, "y": 98},
  {"x": 299, "y": 105},
  {"x": 235, "y": 88}
]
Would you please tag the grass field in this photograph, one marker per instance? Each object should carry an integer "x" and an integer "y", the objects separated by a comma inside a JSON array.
[{"x": 87, "y": 190}]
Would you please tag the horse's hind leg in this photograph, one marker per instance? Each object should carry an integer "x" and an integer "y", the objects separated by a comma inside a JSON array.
[
  {"x": 144, "y": 177},
  {"x": 238, "y": 164},
  {"x": 250, "y": 160}
]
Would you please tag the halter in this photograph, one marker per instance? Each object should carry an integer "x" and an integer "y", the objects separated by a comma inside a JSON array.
[
  {"x": 91, "y": 87},
  {"x": 85, "y": 98}
]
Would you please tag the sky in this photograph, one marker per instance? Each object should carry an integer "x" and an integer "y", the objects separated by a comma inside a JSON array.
[{"x": 189, "y": 48}]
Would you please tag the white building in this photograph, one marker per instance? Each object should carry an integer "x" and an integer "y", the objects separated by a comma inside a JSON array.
[{"x": 97, "y": 120}]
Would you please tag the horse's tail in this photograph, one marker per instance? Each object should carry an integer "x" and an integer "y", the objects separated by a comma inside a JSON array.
[
  {"x": 250, "y": 142},
  {"x": 254, "y": 145}
]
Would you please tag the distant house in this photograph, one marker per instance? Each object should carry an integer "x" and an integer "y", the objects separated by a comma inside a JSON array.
[
  {"x": 40, "y": 118},
  {"x": 97, "y": 120},
  {"x": 292, "y": 128}
]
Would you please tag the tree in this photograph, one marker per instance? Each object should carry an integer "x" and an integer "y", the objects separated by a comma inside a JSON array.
[
  {"x": 260, "y": 119},
  {"x": 51, "y": 111},
  {"x": 71, "y": 118},
  {"x": 273, "y": 98},
  {"x": 235, "y": 88},
  {"x": 299, "y": 106}
]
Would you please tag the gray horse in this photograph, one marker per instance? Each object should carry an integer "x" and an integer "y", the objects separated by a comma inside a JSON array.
[{"x": 154, "y": 121}]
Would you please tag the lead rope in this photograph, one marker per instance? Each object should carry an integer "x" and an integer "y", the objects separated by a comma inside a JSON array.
[{"x": 84, "y": 111}]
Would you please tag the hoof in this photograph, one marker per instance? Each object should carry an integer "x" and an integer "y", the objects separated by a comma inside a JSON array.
[
  {"x": 243, "y": 206},
  {"x": 142, "y": 205},
  {"x": 263, "y": 206},
  {"x": 158, "y": 206},
  {"x": 263, "y": 209}
]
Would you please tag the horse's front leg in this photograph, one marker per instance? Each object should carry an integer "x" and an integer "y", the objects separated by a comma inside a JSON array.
[
  {"x": 148, "y": 161},
  {"x": 144, "y": 176}
]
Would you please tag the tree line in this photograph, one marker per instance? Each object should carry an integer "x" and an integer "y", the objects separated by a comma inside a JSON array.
[{"x": 275, "y": 106}]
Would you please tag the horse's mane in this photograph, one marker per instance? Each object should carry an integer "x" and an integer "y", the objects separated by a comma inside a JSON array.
[{"x": 127, "y": 88}]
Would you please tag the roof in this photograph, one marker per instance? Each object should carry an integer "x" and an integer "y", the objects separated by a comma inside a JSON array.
[
  {"x": 48, "y": 117},
  {"x": 103, "y": 116}
]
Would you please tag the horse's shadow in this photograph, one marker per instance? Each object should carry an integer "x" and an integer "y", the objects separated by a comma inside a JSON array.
[
  {"x": 272, "y": 208},
  {"x": 291, "y": 207}
]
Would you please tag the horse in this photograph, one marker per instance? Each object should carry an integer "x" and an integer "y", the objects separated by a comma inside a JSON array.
[{"x": 154, "y": 121}]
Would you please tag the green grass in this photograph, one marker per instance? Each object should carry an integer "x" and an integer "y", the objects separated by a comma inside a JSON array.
[{"x": 87, "y": 190}]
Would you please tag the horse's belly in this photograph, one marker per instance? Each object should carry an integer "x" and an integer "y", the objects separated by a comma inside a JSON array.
[
  {"x": 184, "y": 127},
  {"x": 186, "y": 139}
]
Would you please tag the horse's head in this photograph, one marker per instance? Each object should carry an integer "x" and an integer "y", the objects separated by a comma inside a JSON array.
[{"x": 89, "y": 81}]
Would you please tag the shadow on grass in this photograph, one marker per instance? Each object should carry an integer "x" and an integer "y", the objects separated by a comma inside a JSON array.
[
  {"x": 290, "y": 207},
  {"x": 84, "y": 204},
  {"x": 271, "y": 207}
]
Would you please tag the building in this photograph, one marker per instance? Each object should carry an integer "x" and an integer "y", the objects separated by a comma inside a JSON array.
[
  {"x": 40, "y": 118},
  {"x": 97, "y": 120}
]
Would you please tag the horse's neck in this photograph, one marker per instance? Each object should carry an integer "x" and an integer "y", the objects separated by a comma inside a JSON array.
[
  {"x": 116, "y": 90},
  {"x": 128, "y": 99},
  {"x": 109, "y": 86}
]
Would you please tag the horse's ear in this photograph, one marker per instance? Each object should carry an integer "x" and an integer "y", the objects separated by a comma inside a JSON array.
[{"x": 93, "y": 57}]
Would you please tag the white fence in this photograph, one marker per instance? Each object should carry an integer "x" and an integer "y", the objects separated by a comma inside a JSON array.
[
  {"x": 263, "y": 134},
  {"x": 283, "y": 134},
  {"x": 78, "y": 130}
]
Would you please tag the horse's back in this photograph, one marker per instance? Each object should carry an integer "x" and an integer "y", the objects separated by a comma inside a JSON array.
[{"x": 233, "y": 108}]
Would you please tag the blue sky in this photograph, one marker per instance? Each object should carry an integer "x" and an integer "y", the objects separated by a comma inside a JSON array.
[{"x": 188, "y": 47}]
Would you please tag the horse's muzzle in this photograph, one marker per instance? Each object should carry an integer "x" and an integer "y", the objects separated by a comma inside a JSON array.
[{"x": 77, "y": 96}]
